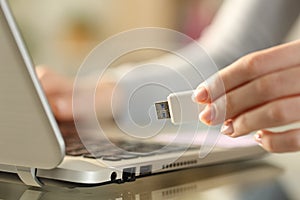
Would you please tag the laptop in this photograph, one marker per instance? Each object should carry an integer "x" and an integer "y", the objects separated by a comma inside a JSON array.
[{"x": 32, "y": 145}]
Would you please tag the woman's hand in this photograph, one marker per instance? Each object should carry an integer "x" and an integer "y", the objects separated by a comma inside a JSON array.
[
  {"x": 58, "y": 90},
  {"x": 262, "y": 90}
]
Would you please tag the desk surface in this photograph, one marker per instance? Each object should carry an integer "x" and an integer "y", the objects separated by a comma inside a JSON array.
[{"x": 273, "y": 177}]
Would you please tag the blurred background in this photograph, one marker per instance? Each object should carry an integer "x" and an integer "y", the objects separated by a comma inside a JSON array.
[{"x": 60, "y": 33}]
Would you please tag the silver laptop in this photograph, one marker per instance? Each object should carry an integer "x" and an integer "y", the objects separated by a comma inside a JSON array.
[{"x": 31, "y": 143}]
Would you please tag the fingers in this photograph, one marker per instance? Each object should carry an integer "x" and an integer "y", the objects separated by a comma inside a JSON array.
[
  {"x": 259, "y": 64},
  {"x": 214, "y": 113},
  {"x": 62, "y": 107},
  {"x": 273, "y": 114},
  {"x": 52, "y": 82},
  {"x": 252, "y": 85},
  {"x": 262, "y": 90},
  {"x": 58, "y": 90},
  {"x": 251, "y": 67},
  {"x": 288, "y": 141}
]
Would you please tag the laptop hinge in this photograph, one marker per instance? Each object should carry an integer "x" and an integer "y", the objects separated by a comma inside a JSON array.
[{"x": 28, "y": 176}]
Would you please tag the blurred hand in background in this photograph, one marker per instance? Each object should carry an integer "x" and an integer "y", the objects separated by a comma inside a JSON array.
[{"x": 59, "y": 92}]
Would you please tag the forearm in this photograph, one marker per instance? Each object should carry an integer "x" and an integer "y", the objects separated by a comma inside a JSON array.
[{"x": 245, "y": 26}]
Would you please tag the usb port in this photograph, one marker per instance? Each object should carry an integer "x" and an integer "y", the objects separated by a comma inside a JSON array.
[
  {"x": 145, "y": 170},
  {"x": 129, "y": 174}
]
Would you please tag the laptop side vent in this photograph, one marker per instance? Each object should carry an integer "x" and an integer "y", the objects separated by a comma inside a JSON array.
[{"x": 179, "y": 164}]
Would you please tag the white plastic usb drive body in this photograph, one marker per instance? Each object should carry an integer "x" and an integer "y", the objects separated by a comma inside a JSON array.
[{"x": 179, "y": 107}]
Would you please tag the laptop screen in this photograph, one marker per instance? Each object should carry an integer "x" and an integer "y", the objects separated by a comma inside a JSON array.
[{"x": 26, "y": 134}]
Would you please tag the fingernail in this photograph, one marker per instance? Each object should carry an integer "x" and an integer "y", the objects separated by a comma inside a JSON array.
[
  {"x": 227, "y": 128},
  {"x": 200, "y": 95},
  {"x": 207, "y": 115},
  {"x": 258, "y": 137}
]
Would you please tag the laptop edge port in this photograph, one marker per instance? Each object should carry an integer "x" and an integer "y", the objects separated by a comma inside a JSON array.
[
  {"x": 128, "y": 174},
  {"x": 145, "y": 170}
]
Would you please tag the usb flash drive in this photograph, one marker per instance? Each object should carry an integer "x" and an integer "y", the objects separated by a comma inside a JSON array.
[{"x": 179, "y": 107}]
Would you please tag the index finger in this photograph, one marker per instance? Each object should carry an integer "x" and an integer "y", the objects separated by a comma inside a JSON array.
[{"x": 253, "y": 66}]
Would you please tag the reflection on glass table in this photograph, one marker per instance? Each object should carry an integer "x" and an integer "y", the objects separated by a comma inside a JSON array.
[{"x": 240, "y": 181}]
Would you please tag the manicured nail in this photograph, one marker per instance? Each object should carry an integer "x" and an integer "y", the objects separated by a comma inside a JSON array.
[
  {"x": 227, "y": 128},
  {"x": 258, "y": 137},
  {"x": 200, "y": 95},
  {"x": 207, "y": 115}
]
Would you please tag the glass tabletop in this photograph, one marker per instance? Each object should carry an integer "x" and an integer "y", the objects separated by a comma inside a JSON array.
[{"x": 259, "y": 179}]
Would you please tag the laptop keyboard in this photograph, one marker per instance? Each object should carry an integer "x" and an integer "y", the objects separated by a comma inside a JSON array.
[{"x": 119, "y": 150}]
